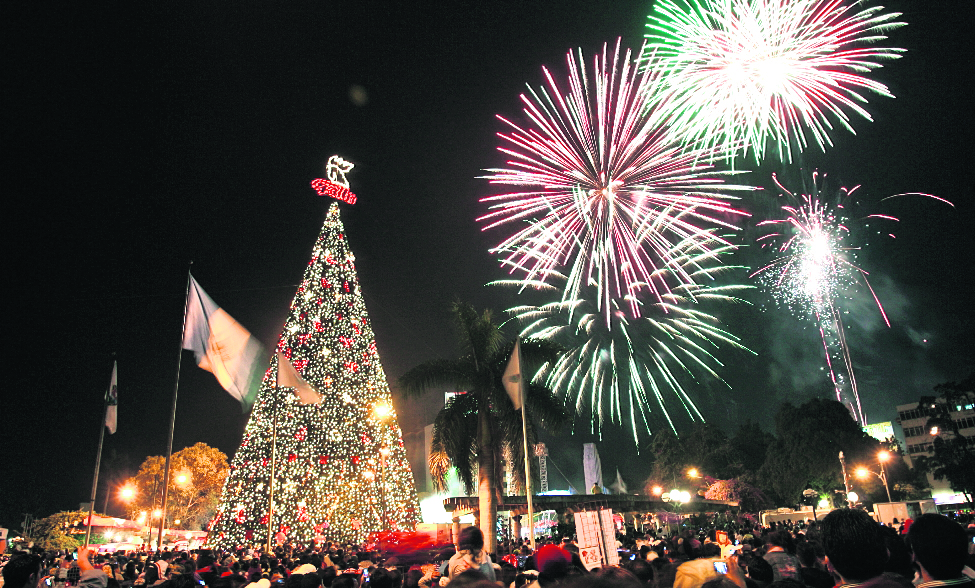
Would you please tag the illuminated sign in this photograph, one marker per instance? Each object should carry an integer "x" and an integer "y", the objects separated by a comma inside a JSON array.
[
  {"x": 337, "y": 185},
  {"x": 880, "y": 431}
]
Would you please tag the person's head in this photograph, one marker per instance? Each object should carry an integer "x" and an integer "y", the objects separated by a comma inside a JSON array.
[
  {"x": 552, "y": 561},
  {"x": 471, "y": 579},
  {"x": 471, "y": 539},
  {"x": 152, "y": 573},
  {"x": 642, "y": 569},
  {"x": 618, "y": 577},
  {"x": 853, "y": 544},
  {"x": 692, "y": 548},
  {"x": 412, "y": 578},
  {"x": 807, "y": 552},
  {"x": 939, "y": 546},
  {"x": 327, "y": 575},
  {"x": 310, "y": 580},
  {"x": 346, "y": 581},
  {"x": 756, "y": 567},
  {"x": 379, "y": 578},
  {"x": 22, "y": 569},
  {"x": 781, "y": 539}
]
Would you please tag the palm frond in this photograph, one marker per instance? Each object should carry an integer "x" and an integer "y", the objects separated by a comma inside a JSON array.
[{"x": 436, "y": 373}]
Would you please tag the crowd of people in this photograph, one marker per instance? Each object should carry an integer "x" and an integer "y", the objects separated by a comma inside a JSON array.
[{"x": 846, "y": 549}]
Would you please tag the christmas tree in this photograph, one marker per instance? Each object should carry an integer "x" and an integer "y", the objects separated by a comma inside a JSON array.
[{"x": 339, "y": 466}]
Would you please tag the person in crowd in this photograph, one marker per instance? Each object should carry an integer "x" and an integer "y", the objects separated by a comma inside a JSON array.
[
  {"x": 470, "y": 555},
  {"x": 810, "y": 571},
  {"x": 163, "y": 563},
  {"x": 90, "y": 576},
  {"x": 22, "y": 571},
  {"x": 855, "y": 549},
  {"x": 940, "y": 549},
  {"x": 379, "y": 578},
  {"x": 780, "y": 556},
  {"x": 699, "y": 567},
  {"x": 642, "y": 569},
  {"x": 553, "y": 565}
]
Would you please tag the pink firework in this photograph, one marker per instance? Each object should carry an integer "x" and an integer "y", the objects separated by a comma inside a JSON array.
[{"x": 607, "y": 192}]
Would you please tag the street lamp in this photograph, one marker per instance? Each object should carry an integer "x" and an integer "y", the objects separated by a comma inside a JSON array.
[
  {"x": 846, "y": 481},
  {"x": 864, "y": 473},
  {"x": 883, "y": 456}
]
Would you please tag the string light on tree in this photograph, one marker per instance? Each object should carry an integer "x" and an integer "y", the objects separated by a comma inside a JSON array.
[{"x": 325, "y": 454}]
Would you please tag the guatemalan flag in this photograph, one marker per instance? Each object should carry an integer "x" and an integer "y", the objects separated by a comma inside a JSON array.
[
  {"x": 111, "y": 397},
  {"x": 223, "y": 347}
]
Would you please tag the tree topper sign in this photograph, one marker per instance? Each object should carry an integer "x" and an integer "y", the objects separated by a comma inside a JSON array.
[{"x": 337, "y": 185}]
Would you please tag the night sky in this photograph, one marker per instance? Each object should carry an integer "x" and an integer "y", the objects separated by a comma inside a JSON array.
[{"x": 143, "y": 136}]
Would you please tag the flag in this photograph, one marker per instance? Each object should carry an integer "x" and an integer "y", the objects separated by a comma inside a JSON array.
[
  {"x": 288, "y": 377},
  {"x": 512, "y": 377},
  {"x": 223, "y": 347},
  {"x": 111, "y": 398},
  {"x": 619, "y": 486}
]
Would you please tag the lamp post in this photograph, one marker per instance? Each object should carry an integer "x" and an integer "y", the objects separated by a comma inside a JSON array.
[
  {"x": 126, "y": 494},
  {"x": 883, "y": 457},
  {"x": 846, "y": 481},
  {"x": 864, "y": 473}
]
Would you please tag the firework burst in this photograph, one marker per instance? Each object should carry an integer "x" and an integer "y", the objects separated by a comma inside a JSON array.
[
  {"x": 815, "y": 271},
  {"x": 630, "y": 370},
  {"x": 750, "y": 72},
  {"x": 607, "y": 190}
]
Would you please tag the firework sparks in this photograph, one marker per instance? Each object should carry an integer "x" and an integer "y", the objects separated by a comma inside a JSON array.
[
  {"x": 754, "y": 71},
  {"x": 607, "y": 190},
  {"x": 630, "y": 370},
  {"x": 815, "y": 270}
]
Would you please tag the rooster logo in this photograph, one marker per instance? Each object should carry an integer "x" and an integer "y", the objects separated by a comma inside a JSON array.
[{"x": 336, "y": 168}]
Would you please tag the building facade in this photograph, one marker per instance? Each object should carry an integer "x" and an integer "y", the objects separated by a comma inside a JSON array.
[{"x": 913, "y": 420}]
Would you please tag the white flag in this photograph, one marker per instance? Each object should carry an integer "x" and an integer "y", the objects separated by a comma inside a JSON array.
[
  {"x": 512, "y": 377},
  {"x": 288, "y": 377},
  {"x": 111, "y": 397},
  {"x": 223, "y": 347},
  {"x": 619, "y": 486}
]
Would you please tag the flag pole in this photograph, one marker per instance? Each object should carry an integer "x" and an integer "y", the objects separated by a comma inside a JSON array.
[
  {"x": 98, "y": 464},
  {"x": 172, "y": 416},
  {"x": 524, "y": 437},
  {"x": 274, "y": 448}
]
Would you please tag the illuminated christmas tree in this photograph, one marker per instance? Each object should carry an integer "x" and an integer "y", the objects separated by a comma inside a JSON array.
[{"x": 323, "y": 424}]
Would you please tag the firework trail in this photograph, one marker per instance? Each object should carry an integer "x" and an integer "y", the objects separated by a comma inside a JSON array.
[
  {"x": 618, "y": 217},
  {"x": 815, "y": 271},
  {"x": 754, "y": 71}
]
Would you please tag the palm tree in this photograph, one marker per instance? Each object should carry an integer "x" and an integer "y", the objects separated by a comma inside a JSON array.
[{"x": 475, "y": 429}]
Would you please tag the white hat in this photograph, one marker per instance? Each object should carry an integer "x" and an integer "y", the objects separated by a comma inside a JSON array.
[
  {"x": 305, "y": 569},
  {"x": 262, "y": 583}
]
